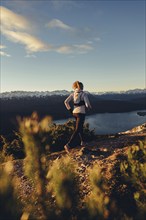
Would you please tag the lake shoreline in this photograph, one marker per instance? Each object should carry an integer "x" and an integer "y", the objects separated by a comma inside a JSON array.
[
  {"x": 111, "y": 123},
  {"x": 10, "y": 124}
]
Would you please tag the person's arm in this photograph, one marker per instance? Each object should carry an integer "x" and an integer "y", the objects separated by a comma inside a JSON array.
[
  {"x": 87, "y": 102},
  {"x": 67, "y": 101}
]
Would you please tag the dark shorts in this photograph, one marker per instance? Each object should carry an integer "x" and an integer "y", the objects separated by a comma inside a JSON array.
[{"x": 79, "y": 115}]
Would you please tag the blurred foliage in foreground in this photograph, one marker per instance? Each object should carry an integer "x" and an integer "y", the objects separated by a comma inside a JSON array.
[
  {"x": 10, "y": 207},
  {"x": 58, "y": 190},
  {"x": 133, "y": 171},
  {"x": 51, "y": 136}
]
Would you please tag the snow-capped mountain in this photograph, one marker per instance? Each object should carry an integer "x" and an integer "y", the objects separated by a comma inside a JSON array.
[
  {"x": 132, "y": 91},
  {"x": 23, "y": 94}
]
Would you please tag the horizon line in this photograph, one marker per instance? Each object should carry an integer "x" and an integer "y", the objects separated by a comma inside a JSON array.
[{"x": 72, "y": 90}]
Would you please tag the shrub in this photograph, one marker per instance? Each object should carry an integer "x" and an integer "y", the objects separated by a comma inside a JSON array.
[
  {"x": 12, "y": 149},
  {"x": 32, "y": 131},
  {"x": 59, "y": 134},
  {"x": 133, "y": 170},
  {"x": 3, "y": 155},
  {"x": 63, "y": 184},
  {"x": 51, "y": 136},
  {"x": 97, "y": 202},
  {"x": 40, "y": 137},
  {"x": 9, "y": 206}
]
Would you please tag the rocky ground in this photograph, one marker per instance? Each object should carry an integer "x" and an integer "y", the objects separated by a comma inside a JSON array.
[{"x": 105, "y": 145}]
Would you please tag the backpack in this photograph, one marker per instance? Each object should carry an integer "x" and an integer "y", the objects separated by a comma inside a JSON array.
[{"x": 78, "y": 99}]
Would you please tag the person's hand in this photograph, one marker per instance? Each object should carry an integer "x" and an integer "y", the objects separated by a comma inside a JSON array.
[
  {"x": 89, "y": 108},
  {"x": 70, "y": 110}
]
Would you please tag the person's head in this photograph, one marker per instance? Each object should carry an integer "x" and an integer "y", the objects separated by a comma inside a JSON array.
[{"x": 78, "y": 85}]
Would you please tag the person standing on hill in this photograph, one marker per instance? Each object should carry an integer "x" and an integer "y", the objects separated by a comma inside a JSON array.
[{"x": 81, "y": 102}]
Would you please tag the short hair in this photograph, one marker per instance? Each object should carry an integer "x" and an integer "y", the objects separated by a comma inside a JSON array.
[{"x": 78, "y": 85}]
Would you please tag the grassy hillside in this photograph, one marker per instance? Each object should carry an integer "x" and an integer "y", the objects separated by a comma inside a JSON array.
[{"x": 105, "y": 180}]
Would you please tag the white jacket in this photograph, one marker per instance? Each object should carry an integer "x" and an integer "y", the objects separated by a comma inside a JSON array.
[{"x": 77, "y": 96}]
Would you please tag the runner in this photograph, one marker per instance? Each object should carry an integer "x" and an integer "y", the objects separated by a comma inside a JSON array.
[{"x": 81, "y": 102}]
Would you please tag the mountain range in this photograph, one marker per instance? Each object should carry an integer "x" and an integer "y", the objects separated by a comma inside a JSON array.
[
  {"x": 22, "y": 103},
  {"x": 22, "y": 94}
]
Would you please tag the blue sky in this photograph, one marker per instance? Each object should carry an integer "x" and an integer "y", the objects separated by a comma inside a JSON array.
[{"x": 47, "y": 45}]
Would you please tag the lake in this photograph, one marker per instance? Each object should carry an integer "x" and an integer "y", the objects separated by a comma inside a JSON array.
[{"x": 110, "y": 123}]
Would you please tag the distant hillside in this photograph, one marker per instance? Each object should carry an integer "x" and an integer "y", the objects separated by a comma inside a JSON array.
[
  {"x": 14, "y": 104},
  {"x": 107, "y": 95}
]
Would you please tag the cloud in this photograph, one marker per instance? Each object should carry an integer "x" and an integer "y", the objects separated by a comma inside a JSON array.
[
  {"x": 97, "y": 39},
  {"x": 84, "y": 47},
  {"x": 2, "y": 46},
  {"x": 32, "y": 44},
  {"x": 2, "y": 53},
  {"x": 30, "y": 56},
  {"x": 77, "y": 48},
  {"x": 89, "y": 42},
  {"x": 15, "y": 28},
  {"x": 13, "y": 21},
  {"x": 82, "y": 33},
  {"x": 65, "y": 49},
  {"x": 56, "y": 23}
]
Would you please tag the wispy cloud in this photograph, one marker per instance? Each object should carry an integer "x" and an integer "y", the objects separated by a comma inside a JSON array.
[
  {"x": 2, "y": 46},
  {"x": 32, "y": 44},
  {"x": 97, "y": 39},
  {"x": 15, "y": 28},
  {"x": 2, "y": 53},
  {"x": 77, "y": 48},
  {"x": 13, "y": 21},
  {"x": 56, "y": 23},
  {"x": 83, "y": 47},
  {"x": 30, "y": 56},
  {"x": 89, "y": 42},
  {"x": 82, "y": 33},
  {"x": 64, "y": 49}
]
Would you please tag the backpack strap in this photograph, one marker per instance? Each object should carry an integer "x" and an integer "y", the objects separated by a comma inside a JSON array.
[
  {"x": 81, "y": 102},
  {"x": 81, "y": 97}
]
